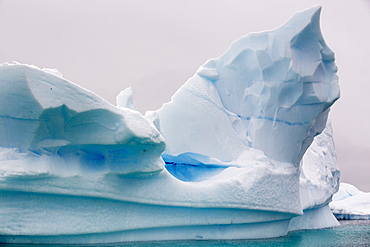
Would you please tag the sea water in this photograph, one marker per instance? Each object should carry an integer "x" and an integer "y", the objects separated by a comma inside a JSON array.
[{"x": 349, "y": 233}]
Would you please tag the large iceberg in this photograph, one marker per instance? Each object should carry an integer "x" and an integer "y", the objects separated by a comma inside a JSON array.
[
  {"x": 227, "y": 158},
  {"x": 349, "y": 203}
]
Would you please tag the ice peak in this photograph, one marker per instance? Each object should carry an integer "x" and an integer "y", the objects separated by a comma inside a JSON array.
[
  {"x": 274, "y": 87},
  {"x": 126, "y": 99}
]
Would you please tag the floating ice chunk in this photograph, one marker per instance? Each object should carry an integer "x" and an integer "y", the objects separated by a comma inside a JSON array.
[{"x": 349, "y": 203}]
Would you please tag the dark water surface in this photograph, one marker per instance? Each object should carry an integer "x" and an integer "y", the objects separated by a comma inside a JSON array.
[{"x": 349, "y": 233}]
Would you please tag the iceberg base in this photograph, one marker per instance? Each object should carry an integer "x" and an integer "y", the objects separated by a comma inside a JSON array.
[
  {"x": 204, "y": 232},
  {"x": 315, "y": 218},
  {"x": 66, "y": 219}
]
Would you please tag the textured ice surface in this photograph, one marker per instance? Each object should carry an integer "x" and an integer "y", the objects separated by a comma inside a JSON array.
[
  {"x": 270, "y": 91},
  {"x": 319, "y": 180},
  {"x": 349, "y": 203},
  {"x": 320, "y": 175},
  {"x": 76, "y": 169},
  {"x": 257, "y": 108},
  {"x": 45, "y": 117}
]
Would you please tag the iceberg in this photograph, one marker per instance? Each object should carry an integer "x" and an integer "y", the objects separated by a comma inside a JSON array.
[
  {"x": 243, "y": 149},
  {"x": 349, "y": 203}
]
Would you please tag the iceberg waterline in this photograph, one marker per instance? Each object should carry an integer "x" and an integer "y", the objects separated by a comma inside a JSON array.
[{"x": 243, "y": 150}]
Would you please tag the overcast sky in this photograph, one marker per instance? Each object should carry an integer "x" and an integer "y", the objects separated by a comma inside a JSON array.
[{"x": 155, "y": 46}]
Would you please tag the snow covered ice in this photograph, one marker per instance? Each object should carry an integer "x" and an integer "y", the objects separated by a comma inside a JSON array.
[
  {"x": 45, "y": 115},
  {"x": 229, "y": 157},
  {"x": 349, "y": 203}
]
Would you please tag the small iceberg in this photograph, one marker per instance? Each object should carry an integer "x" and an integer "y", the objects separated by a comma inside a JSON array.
[{"x": 349, "y": 203}]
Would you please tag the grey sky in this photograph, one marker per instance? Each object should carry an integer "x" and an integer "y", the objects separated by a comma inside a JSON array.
[{"x": 155, "y": 46}]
